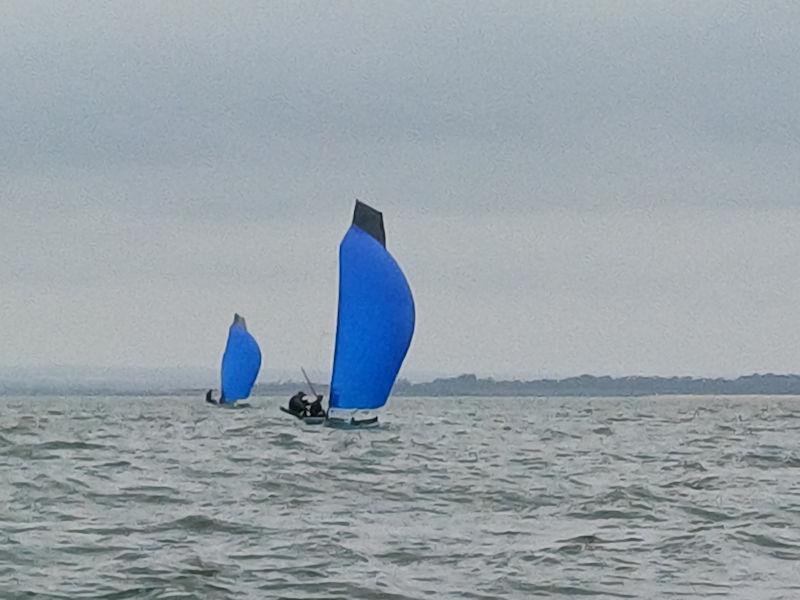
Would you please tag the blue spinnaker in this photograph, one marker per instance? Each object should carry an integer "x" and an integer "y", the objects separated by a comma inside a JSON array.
[
  {"x": 240, "y": 363},
  {"x": 376, "y": 316}
]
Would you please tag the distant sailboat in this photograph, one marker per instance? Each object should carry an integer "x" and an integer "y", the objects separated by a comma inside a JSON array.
[
  {"x": 374, "y": 326},
  {"x": 240, "y": 363},
  {"x": 375, "y": 322}
]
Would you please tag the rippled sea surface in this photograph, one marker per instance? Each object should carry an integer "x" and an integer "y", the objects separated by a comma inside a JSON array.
[{"x": 450, "y": 498}]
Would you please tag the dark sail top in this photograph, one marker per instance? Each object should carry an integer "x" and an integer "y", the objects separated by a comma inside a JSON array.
[
  {"x": 240, "y": 362},
  {"x": 376, "y": 316},
  {"x": 370, "y": 220}
]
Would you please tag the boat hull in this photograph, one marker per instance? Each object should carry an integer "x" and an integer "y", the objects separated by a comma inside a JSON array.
[
  {"x": 306, "y": 420},
  {"x": 337, "y": 423},
  {"x": 334, "y": 422},
  {"x": 235, "y": 405}
]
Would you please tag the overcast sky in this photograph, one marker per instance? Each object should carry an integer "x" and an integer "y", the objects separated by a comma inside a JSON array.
[{"x": 570, "y": 187}]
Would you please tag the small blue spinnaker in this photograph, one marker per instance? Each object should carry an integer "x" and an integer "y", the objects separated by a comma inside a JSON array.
[
  {"x": 376, "y": 316},
  {"x": 240, "y": 363}
]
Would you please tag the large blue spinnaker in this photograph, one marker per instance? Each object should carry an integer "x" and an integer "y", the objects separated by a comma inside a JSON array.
[
  {"x": 376, "y": 316},
  {"x": 240, "y": 363}
]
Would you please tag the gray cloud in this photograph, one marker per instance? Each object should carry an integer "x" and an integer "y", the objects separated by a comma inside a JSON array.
[{"x": 570, "y": 187}]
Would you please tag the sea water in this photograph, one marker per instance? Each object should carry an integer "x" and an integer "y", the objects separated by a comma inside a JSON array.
[{"x": 171, "y": 498}]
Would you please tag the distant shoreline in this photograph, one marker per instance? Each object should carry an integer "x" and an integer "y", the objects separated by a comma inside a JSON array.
[
  {"x": 604, "y": 386},
  {"x": 467, "y": 386}
]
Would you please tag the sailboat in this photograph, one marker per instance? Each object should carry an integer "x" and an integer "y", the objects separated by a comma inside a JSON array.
[
  {"x": 241, "y": 362},
  {"x": 374, "y": 326}
]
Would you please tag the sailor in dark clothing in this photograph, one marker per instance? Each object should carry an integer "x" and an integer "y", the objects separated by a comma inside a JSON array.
[
  {"x": 298, "y": 405},
  {"x": 315, "y": 408}
]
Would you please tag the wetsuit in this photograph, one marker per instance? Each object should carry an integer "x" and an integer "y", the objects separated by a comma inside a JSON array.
[
  {"x": 315, "y": 408},
  {"x": 297, "y": 405}
]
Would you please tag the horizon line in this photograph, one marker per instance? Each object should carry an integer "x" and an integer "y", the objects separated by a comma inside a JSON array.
[{"x": 430, "y": 375}]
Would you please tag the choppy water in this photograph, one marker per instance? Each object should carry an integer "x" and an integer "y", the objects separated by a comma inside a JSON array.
[{"x": 479, "y": 498}]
